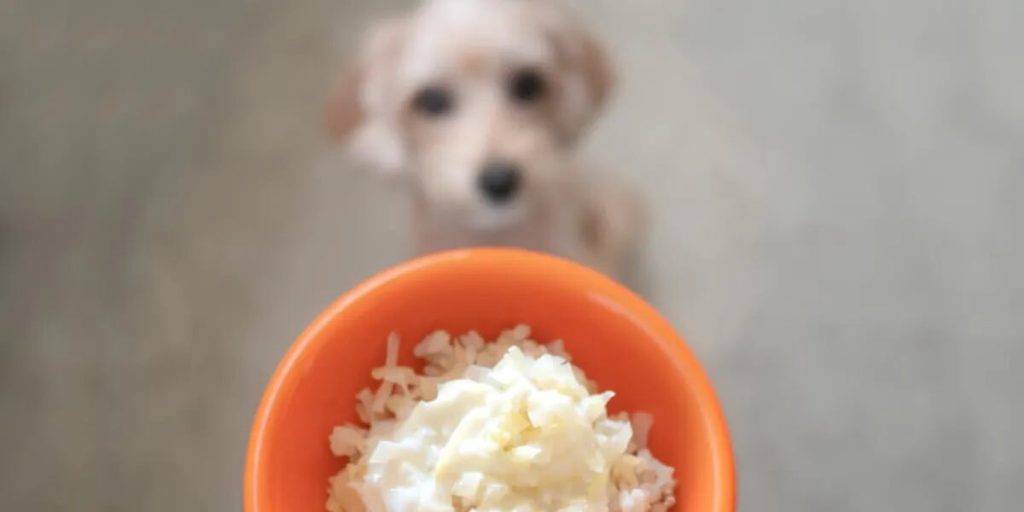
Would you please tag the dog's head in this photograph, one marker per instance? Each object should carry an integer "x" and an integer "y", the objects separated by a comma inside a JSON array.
[{"x": 481, "y": 100}]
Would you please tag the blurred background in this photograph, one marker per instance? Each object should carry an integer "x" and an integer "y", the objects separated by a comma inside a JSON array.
[{"x": 836, "y": 189}]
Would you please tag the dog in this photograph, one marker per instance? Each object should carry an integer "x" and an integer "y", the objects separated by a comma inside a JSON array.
[{"x": 480, "y": 104}]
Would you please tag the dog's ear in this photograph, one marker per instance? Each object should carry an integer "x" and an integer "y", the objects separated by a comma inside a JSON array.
[
  {"x": 597, "y": 69},
  {"x": 588, "y": 73},
  {"x": 361, "y": 108},
  {"x": 344, "y": 109}
]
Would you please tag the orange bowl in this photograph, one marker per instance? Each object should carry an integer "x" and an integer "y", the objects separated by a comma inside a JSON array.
[{"x": 613, "y": 335}]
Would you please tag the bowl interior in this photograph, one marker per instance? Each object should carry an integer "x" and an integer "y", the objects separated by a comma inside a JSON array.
[{"x": 616, "y": 338}]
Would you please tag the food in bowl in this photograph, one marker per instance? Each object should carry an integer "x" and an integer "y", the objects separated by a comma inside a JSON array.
[{"x": 507, "y": 425}]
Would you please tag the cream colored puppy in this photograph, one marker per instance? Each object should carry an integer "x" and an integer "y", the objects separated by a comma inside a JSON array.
[{"x": 481, "y": 103}]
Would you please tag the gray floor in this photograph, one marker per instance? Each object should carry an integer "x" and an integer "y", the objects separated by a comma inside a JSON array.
[{"x": 838, "y": 231}]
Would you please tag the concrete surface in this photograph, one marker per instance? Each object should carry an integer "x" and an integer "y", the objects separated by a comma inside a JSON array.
[{"x": 837, "y": 230}]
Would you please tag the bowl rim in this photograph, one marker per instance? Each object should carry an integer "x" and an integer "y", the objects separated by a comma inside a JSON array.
[{"x": 280, "y": 383}]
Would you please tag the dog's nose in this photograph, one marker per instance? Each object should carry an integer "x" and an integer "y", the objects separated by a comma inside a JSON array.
[{"x": 499, "y": 181}]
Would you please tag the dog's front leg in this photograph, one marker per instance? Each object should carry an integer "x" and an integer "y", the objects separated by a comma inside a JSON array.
[{"x": 613, "y": 224}]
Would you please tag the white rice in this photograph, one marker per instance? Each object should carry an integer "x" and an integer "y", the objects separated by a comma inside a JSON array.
[{"x": 641, "y": 483}]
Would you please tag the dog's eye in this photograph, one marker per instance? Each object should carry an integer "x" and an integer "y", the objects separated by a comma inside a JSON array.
[
  {"x": 527, "y": 86},
  {"x": 433, "y": 101}
]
